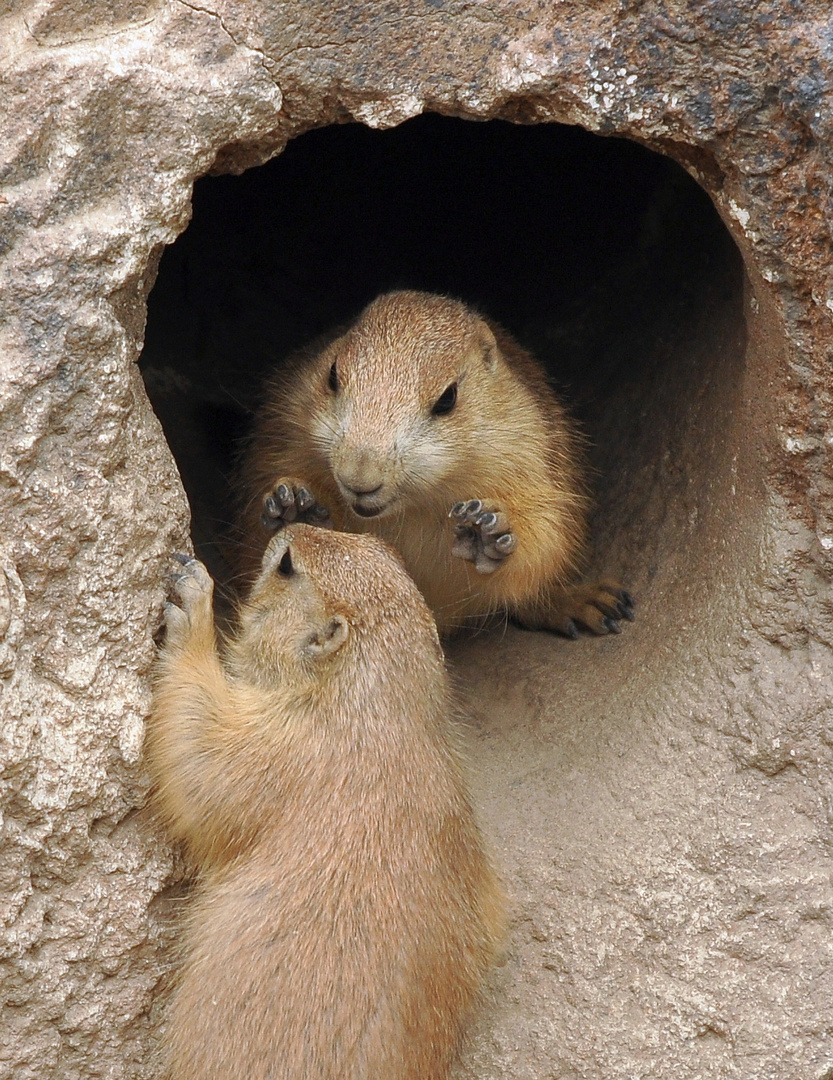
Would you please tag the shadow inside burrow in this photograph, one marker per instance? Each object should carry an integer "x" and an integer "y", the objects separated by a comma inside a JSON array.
[{"x": 605, "y": 259}]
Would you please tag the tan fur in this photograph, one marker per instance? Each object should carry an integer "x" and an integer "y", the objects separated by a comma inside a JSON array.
[
  {"x": 346, "y": 914},
  {"x": 507, "y": 442}
]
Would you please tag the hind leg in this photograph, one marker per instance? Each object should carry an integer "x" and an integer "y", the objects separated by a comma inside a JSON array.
[{"x": 597, "y": 606}]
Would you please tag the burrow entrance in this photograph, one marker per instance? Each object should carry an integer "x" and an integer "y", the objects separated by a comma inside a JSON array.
[
  {"x": 604, "y": 258},
  {"x": 612, "y": 265}
]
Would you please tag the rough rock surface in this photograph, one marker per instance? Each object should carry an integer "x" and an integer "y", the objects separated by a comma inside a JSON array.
[{"x": 660, "y": 802}]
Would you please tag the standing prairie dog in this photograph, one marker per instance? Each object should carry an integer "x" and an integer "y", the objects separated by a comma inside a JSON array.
[
  {"x": 346, "y": 913},
  {"x": 432, "y": 428}
]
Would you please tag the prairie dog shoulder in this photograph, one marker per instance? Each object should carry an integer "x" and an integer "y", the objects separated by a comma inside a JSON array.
[{"x": 347, "y": 913}]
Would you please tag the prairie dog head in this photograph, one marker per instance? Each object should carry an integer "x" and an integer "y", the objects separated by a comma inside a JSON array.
[
  {"x": 327, "y": 600},
  {"x": 396, "y": 396}
]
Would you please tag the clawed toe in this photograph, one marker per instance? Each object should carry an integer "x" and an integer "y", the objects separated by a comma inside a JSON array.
[
  {"x": 501, "y": 546},
  {"x": 626, "y": 605},
  {"x": 192, "y": 571},
  {"x": 465, "y": 514},
  {"x": 614, "y": 602}
]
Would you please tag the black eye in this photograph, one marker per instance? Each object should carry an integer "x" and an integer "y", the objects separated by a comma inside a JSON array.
[
  {"x": 332, "y": 379},
  {"x": 285, "y": 567},
  {"x": 446, "y": 401}
]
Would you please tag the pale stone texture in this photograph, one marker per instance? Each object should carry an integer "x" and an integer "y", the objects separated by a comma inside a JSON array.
[{"x": 660, "y": 802}]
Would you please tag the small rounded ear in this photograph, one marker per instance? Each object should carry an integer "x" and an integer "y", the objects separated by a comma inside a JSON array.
[
  {"x": 488, "y": 344},
  {"x": 328, "y": 640}
]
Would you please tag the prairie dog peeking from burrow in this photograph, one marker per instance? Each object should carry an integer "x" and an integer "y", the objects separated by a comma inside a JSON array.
[
  {"x": 429, "y": 426},
  {"x": 346, "y": 913}
]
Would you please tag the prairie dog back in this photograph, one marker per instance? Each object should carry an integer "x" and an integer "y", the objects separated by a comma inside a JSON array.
[
  {"x": 346, "y": 913},
  {"x": 427, "y": 425}
]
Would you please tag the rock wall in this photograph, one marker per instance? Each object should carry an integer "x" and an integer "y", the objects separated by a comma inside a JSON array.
[{"x": 660, "y": 802}]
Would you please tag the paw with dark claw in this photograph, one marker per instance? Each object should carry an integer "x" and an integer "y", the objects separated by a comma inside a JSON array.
[
  {"x": 292, "y": 501},
  {"x": 598, "y": 607},
  {"x": 194, "y": 590},
  {"x": 192, "y": 581},
  {"x": 481, "y": 536},
  {"x": 615, "y": 603}
]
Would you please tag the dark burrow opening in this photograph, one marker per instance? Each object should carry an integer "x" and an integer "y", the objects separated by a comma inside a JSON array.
[{"x": 604, "y": 258}]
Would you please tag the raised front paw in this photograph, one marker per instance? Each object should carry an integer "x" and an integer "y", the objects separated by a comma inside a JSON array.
[
  {"x": 292, "y": 501},
  {"x": 481, "y": 536},
  {"x": 194, "y": 590}
]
